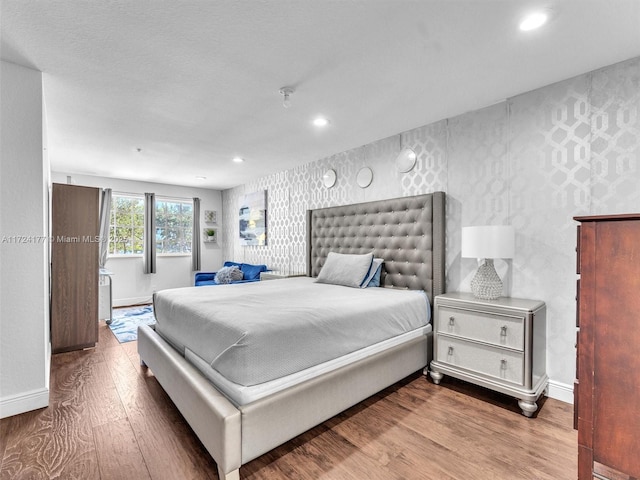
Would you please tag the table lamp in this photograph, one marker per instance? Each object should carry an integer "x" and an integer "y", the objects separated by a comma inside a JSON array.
[{"x": 487, "y": 242}]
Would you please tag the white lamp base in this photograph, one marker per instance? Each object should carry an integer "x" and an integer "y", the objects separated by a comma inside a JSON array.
[{"x": 486, "y": 283}]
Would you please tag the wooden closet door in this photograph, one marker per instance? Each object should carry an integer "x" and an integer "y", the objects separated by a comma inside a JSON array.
[
  {"x": 616, "y": 420},
  {"x": 74, "y": 267}
]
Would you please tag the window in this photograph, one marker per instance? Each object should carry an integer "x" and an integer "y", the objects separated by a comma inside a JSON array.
[
  {"x": 126, "y": 229},
  {"x": 174, "y": 226}
]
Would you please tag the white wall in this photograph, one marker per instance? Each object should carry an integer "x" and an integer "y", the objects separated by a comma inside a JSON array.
[
  {"x": 130, "y": 284},
  {"x": 24, "y": 247}
]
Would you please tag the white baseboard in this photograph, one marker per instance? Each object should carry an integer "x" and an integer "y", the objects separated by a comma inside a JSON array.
[
  {"x": 24, "y": 402},
  {"x": 560, "y": 391},
  {"x": 127, "y": 302}
]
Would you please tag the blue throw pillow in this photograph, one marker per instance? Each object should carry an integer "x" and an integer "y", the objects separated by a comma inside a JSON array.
[
  {"x": 375, "y": 281},
  {"x": 252, "y": 272},
  {"x": 372, "y": 279}
]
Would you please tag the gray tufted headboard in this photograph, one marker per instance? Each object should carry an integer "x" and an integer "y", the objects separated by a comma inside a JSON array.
[{"x": 408, "y": 232}]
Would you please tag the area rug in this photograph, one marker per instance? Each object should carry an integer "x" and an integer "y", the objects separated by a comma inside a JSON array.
[{"x": 125, "y": 322}]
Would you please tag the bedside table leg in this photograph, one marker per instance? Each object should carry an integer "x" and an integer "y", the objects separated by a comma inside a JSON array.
[
  {"x": 528, "y": 408},
  {"x": 436, "y": 377}
]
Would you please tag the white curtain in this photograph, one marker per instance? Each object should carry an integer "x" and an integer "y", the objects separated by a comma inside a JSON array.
[
  {"x": 105, "y": 212},
  {"x": 149, "y": 233},
  {"x": 195, "y": 237}
]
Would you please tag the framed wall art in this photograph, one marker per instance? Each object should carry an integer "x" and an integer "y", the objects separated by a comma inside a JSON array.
[
  {"x": 211, "y": 216},
  {"x": 253, "y": 218}
]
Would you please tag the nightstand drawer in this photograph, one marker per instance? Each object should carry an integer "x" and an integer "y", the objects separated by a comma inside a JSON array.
[
  {"x": 497, "y": 329},
  {"x": 485, "y": 359}
]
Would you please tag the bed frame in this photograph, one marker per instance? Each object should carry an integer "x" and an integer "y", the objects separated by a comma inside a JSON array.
[{"x": 409, "y": 234}]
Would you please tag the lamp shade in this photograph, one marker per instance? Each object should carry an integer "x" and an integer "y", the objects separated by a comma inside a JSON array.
[{"x": 490, "y": 241}]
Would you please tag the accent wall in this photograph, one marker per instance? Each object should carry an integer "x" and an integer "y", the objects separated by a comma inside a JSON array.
[{"x": 533, "y": 161}]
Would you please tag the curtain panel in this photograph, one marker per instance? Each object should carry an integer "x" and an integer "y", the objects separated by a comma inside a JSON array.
[
  {"x": 105, "y": 213},
  {"x": 195, "y": 237},
  {"x": 149, "y": 233}
]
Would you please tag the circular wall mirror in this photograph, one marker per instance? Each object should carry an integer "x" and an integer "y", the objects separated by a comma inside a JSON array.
[
  {"x": 406, "y": 160},
  {"x": 364, "y": 177},
  {"x": 329, "y": 178}
]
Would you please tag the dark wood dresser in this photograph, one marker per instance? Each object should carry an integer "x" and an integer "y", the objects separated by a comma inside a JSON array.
[{"x": 608, "y": 363}]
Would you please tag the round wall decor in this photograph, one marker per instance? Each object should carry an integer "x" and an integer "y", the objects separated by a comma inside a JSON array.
[
  {"x": 406, "y": 160},
  {"x": 364, "y": 177},
  {"x": 329, "y": 178}
]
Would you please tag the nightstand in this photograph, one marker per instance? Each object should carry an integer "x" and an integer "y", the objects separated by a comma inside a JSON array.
[
  {"x": 497, "y": 344},
  {"x": 276, "y": 274}
]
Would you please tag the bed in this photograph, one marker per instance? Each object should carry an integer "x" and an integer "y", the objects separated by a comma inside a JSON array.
[{"x": 238, "y": 425}]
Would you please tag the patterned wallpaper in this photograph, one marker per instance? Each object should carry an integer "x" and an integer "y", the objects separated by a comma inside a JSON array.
[{"x": 534, "y": 161}]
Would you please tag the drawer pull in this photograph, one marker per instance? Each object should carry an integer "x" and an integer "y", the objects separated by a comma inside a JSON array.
[
  {"x": 503, "y": 364},
  {"x": 452, "y": 321},
  {"x": 503, "y": 331},
  {"x": 450, "y": 351}
]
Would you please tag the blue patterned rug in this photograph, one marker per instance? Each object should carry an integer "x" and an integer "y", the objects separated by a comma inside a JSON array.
[{"x": 126, "y": 320}]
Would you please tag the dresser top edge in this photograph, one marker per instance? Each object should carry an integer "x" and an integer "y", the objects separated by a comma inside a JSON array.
[
  {"x": 597, "y": 218},
  {"x": 523, "y": 304}
]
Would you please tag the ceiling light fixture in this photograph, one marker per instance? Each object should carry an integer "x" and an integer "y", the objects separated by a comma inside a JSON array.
[
  {"x": 238, "y": 159},
  {"x": 320, "y": 122},
  {"x": 533, "y": 21},
  {"x": 286, "y": 94},
  {"x": 200, "y": 177}
]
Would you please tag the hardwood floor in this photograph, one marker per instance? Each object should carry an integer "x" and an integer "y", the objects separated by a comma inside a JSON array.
[{"x": 109, "y": 419}]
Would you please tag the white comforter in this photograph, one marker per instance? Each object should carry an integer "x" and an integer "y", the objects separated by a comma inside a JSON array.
[{"x": 256, "y": 332}]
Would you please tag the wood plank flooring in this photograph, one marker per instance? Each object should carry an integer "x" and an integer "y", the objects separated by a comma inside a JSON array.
[{"x": 109, "y": 419}]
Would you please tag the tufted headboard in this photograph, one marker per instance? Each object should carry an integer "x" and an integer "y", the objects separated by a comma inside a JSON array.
[{"x": 408, "y": 233}]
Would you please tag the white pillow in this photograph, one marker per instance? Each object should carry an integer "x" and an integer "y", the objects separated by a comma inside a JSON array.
[{"x": 345, "y": 269}]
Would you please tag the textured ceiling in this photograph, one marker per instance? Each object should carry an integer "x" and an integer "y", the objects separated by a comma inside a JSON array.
[{"x": 194, "y": 83}]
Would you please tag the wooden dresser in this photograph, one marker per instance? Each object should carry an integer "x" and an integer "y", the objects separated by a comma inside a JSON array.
[
  {"x": 608, "y": 363},
  {"x": 74, "y": 267}
]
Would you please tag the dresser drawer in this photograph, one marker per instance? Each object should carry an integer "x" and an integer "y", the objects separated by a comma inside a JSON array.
[
  {"x": 485, "y": 359},
  {"x": 503, "y": 330}
]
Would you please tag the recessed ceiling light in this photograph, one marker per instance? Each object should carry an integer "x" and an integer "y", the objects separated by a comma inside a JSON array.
[
  {"x": 238, "y": 159},
  {"x": 320, "y": 122},
  {"x": 533, "y": 20},
  {"x": 200, "y": 177}
]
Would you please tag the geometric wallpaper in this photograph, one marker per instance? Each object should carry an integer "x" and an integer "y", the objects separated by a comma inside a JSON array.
[{"x": 533, "y": 161}]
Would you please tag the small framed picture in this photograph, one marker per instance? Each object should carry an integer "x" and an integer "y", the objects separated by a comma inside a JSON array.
[{"x": 211, "y": 216}]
